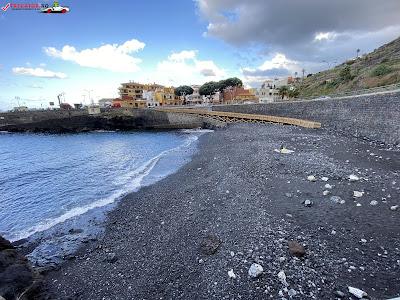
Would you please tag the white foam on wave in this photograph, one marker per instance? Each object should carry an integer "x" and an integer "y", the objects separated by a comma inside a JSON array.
[
  {"x": 132, "y": 185},
  {"x": 199, "y": 130}
]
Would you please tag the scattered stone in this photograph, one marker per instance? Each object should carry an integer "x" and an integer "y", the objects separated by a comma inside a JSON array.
[
  {"x": 232, "y": 253},
  {"x": 231, "y": 274},
  {"x": 357, "y": 194},
  {"x": 296, "y": 249},
  {"x": 328, "y": 186},
  {"x": 292, "y": 293},
  {"x": 289, "y": 195},
  {"x": 357, "y": 292},
  {"x": 210, "y": 245},
  {"x": 394, "y": 207},
  {"x": 363, "y": 241},
  {"x": 311, "y": 178},
  {"x": 333, "y": 232},
  {"x": 353, "y": 178},
  {"x": 324, "y": 178},
  {"x": 374, "y": 202},
  {"x": 337, "y": 199},
  {"x": 255, "y": 270},
  {"x": 339, "y": 294},
  {"x": 326, "y": 193},
  {"x": 282, "y": 278},
  {"x": 358, "y": 204},
  {"x": 308, "y": 203},
  {"x": 111, "y": 257}
]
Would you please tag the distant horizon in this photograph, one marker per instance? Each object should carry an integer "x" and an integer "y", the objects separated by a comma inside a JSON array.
[{"x": 186, "y": 43}]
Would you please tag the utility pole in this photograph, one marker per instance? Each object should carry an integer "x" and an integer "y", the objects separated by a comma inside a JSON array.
[
  {"x": 358, "y": 52},
  {"x": 303, "y": 71}
]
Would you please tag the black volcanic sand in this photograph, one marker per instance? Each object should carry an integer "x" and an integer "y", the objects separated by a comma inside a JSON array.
[{"x": 248, "y": 200}]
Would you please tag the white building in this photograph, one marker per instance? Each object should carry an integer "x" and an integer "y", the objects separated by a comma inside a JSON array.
[
  {"x": 149, "y": 96},
  {"x": 105, "y": 102},
  {"x": 194, "y": 98}
]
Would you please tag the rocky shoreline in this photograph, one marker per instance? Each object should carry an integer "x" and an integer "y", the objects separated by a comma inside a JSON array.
[{"x": 244, "y": 221}]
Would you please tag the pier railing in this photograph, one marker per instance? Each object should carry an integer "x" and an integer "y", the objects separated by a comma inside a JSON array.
[{"x": 230, "y": 117}]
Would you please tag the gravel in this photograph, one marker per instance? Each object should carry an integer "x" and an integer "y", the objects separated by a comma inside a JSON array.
[{"x": 188, "y": 256}]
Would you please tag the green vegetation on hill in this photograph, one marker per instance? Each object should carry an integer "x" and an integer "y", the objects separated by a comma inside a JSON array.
[{"x": 378, "y": 68}]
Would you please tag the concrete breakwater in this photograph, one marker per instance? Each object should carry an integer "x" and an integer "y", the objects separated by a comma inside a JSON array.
[
  {"x": 116, "y": 119},
  {"x": 375, "y": 117}
]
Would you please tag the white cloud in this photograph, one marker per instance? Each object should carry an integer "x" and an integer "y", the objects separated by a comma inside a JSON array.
[
  {"x": 38, "y": 72},
  {"x": 185, "y": 68},
  {"x": 328, "y": 36},
  {"x": 116, "y": 58}
]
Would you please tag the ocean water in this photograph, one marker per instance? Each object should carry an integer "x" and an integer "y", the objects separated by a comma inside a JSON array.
[{"x": 50, "y": 184}]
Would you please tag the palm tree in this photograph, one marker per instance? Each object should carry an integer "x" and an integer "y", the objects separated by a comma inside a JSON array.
[{"x": 283, "y": 91}]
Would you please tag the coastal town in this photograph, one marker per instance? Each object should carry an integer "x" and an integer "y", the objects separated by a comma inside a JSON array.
[{"x": 230, "y": 91}]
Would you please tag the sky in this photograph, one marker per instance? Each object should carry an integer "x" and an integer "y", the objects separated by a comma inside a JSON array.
[{"x": 97, "y": 45}]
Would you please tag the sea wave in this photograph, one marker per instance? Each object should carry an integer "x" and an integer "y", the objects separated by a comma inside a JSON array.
[{"x": 133, "y": 183}]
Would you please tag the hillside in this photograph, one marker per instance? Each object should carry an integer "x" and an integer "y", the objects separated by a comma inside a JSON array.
[{"x": 378, "y": 68}]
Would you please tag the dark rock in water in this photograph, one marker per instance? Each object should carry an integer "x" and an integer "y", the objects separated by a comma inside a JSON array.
[
  {"x": 16, "y": 275},
  {"x": 75, "y": 231},
  {"x": 4, "y": 244},
  {"x": 296, "y": 249},
  {"x": 210, "y": 245}
]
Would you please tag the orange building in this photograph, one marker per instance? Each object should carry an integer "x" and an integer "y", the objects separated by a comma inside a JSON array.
[{"x": 239, "y": 95}]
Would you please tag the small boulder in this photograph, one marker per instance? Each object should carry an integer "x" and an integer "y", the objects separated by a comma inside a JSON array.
[
  {"x": 311, "y": 178},
  {"x": 357, "y": 292},
  {"x": 296, "y": 249},
  {"x": 353, "y": 178},
  {"x": 111, "y": 257},
  {"x": 210, "y": 245},
  {"x": 308, "y": 203},
  {"x": 357, "y": 194},
  {"x": 394, "y": 207},
  {"x": 255, "y": 270}
]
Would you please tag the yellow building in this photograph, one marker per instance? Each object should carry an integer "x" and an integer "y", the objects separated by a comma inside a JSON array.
[
  {"x": 166, "y": 96},
  {"x": 131, "y": 91},
  {"x": 129, "y": 103}
]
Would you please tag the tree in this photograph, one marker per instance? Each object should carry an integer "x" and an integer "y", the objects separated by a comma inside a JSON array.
[
  {"x": 230, "y": 82},
  {"x": 283, "y": 91},
  {"x": 183, "y": 90},
  {"x": 345, "y": 74},
  {"x": 293, "y": 93},
  {"x": 209, "y": 88}
]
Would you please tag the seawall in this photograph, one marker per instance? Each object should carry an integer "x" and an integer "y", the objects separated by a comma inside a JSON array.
[
  {"x": 81, "y": 121},
  {"x": 376, "y": 117}
]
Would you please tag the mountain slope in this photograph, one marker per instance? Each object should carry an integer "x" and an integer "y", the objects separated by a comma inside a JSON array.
[{"x": 378, "y": 68}]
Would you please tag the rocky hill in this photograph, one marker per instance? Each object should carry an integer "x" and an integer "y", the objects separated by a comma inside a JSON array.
[{"x": 378, "y": 68}]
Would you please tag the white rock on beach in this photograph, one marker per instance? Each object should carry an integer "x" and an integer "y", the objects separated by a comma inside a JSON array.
[
  {"x": 311, "y": 178},
  {"x": 328, "y": 186},
  {"x": 282, "y": 278},
  {"x": 357, "y": 292},
  {"x": 255, "y": 270},
  {"x": 231, "y": 274},
  {"x": 324, "y": 178},
  {"x": 394, "y": 207},
  {"x": 325, "y": 193},
  {"x": 357, "y": 194},
  {"x": 353, "y": 177},
  {"x": 374, "y": 202}
]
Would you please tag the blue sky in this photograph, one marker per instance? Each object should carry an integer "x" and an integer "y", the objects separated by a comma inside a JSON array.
[{"x": 99, "y": 44}]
